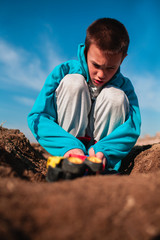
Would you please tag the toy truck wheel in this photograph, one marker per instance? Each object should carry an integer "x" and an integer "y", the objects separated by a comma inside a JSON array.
[
  {"x": 73, "y": 165},
  {"x": 54, "y": 174},
  {"x": 94, "y": 163}
]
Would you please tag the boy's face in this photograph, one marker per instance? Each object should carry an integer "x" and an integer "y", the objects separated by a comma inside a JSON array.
[{"x": 102, "y": 67}]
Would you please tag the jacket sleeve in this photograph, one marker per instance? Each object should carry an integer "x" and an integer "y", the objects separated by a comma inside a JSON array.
[
  {"x": 118, "y": 144},
  {"x": 42, "y": 119}
]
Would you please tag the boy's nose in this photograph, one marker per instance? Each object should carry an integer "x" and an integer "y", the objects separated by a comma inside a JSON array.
[{"x": 101, "y": 74}]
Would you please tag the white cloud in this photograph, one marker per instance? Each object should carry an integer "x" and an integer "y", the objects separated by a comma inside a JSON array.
[
  {"x": 21, "y": 68},
  {"x": 25, "y": 100},
  {"x": 53, "y": 58}
]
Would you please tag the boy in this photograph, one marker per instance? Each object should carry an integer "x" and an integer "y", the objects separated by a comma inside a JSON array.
[{"x": 90, "y": 98}]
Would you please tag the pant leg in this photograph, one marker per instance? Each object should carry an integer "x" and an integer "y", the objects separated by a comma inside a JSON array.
[
  {"x": 109, "y": 111},
  {"x": 73, "y": 104}
]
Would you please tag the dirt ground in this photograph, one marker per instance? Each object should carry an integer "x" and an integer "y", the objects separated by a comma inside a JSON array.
[{"x": 125, "y": 206}]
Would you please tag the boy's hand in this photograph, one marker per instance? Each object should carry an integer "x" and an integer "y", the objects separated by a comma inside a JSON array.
[
  {"x": 99, "y": 155},
  {"x": 76, "y": 151}
]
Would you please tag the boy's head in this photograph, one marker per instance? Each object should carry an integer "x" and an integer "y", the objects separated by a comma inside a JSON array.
[
  {"x": 108, "y": 35},
  {"x": 106, "y": 46}
]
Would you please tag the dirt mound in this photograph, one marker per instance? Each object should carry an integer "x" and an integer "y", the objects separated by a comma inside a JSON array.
[
  {"x": 123, "y": 206},
  {"x": 142, "y": 159},
  {"x": 18, "y": 158}
]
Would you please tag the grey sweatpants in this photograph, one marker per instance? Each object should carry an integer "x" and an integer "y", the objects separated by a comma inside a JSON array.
[{"x": 79, "y": 116}]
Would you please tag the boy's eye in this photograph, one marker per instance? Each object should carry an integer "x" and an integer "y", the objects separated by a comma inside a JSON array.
[
  {"x": 100, "y": 67},
  {"x": 96, "y": 65},
  {"x": 111, "y": 68}
]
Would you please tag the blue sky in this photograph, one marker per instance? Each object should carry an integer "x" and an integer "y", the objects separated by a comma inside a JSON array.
[{"x": 35, "y": 36}]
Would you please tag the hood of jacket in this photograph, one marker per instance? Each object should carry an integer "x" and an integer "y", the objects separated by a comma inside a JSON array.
[{"x": 82, "y": 59}]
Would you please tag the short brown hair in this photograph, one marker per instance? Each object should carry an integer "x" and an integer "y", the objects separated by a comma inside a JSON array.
[{"x": 109, "y": 35}]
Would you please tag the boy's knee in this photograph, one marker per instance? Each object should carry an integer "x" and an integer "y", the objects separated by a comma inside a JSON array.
[
  {"x": 73, "y": 82},
  {"x": 113, "y": 96}
]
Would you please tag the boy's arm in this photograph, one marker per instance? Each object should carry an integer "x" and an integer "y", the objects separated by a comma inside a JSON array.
[
  {"x": 118, "y": 144},
  {"x": 42, "y": 119}
]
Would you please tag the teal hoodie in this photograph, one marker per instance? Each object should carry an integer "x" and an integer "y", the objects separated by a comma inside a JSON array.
[{"x": 42, "y": 119}]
